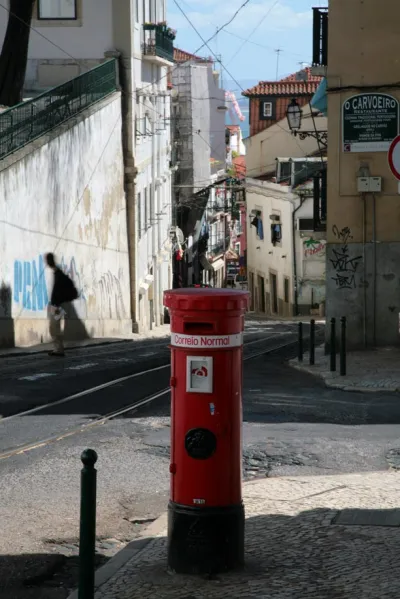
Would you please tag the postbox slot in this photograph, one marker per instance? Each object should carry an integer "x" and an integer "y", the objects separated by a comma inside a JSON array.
[{"x": 199, "y": 327}]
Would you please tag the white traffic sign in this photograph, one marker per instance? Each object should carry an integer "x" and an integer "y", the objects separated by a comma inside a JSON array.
[{"x": 394, "y": 157}]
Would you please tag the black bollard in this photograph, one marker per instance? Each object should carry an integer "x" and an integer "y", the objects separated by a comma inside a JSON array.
[
  {"x": 87, "y": 538},
  {"x": 312, "y": 342},
  {"x": 343, "y": 346},
  {"x": 300, "y": 344},
  {"x": 333, "y": 345}
]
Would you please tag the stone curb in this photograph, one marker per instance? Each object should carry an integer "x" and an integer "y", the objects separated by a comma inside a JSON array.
[
  {"x": 27, "y": 352},
  {"x": 343, "y": 387},
  {"x": 130, "y": 551}
]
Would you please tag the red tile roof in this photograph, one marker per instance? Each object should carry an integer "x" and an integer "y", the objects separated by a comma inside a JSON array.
[
  {"x": 239, "y": 165},
  {"x": 297, "y": 84},
  {"x": 183, "y": 56}
]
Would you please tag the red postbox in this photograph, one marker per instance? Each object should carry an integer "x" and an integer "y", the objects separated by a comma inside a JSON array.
[{"x": 206, "y": 512}]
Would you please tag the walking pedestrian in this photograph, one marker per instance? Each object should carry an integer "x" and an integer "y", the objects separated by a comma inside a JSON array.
[{"x": 63, "y": 292}]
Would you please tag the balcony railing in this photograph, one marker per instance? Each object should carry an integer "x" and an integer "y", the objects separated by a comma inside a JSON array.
[
  {"x": 158, "y": 43},
  {"x": 320, "y": 37},
  {"x": 219, "y": 246},
  {"x": 27, "y": 121}
]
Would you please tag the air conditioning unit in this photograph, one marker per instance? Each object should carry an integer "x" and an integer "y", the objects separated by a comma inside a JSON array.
[{"x": 305, "y": 224}]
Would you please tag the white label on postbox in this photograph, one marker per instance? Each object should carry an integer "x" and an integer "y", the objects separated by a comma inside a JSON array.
[
  {"x": 207, "y": 341},
  {"x": 199, "y": 374}
]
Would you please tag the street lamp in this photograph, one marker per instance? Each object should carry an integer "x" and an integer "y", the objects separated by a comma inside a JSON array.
[{"x": 294, "y": 115}]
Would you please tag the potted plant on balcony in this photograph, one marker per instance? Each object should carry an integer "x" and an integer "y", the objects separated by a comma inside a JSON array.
[
  {"x": 170, "y": 33},
  {"x": 149, "y": 26}
]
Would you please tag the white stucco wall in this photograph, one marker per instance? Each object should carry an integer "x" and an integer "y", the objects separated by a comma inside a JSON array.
[
  {"x": 311, "y": 261},
  {"x": 263, "y": 258},
  {"x": 88, "y": 38},
  {"x": 66, "y": 196},
  {"x": 262, "y": 149}
]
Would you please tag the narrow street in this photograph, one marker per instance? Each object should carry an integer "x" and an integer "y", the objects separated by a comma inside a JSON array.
[{"x": 293, "y": 425}]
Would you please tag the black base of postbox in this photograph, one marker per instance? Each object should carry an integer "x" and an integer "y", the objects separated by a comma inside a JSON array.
[{"x": 205, "y": 540}]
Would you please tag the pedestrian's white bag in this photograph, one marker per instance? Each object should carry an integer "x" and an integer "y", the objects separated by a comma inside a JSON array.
[{"x": 60, "y": 314}]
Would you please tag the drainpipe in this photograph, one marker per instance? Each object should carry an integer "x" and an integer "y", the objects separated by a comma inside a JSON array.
[
  {"x": 296, "y": 293},
  {"x": 374, "y": 267},
  {"x": 130, "y": 172},
  {"x": 156, "y": 310},
  {"x": 364, "y": 237}
]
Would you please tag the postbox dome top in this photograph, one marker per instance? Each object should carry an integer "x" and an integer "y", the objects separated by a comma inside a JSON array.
[{"x": 207, "y": 299}]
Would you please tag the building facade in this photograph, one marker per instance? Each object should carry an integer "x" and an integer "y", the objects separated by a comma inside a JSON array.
[
  {"x": 199, "y": 171},
  {"x": 285, "y": 251},
  {"x": 269, "y": 100},
  {"x": 363, "y": 249},
  {"x": 68, "y": 39}
]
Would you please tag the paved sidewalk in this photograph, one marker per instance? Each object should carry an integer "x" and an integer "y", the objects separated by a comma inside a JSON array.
[
  {"x": 158, "y": 333},
  {"x": 374, "y": 370},
  {"x": 298, "y": 546}
]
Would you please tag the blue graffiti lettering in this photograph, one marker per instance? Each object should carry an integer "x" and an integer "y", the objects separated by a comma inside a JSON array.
[{"x": 30, "y": 283}]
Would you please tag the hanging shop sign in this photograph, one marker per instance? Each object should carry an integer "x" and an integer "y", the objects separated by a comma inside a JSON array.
[{"x": 370, "y": 122}]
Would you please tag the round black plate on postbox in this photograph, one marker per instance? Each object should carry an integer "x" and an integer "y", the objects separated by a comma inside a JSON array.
[{"x": 200, "y": 443}]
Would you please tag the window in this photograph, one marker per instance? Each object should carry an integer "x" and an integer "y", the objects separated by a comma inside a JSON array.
[
  {"x": 276, "y": 233},
  {"x": 146, "y": 216},
  {"x": 137, "y": 11},
  {"x": 267, "y": 109},
  {"x": 286, "y": 289},
  {"x": 139, "y": 214},
  {"x": 57, "y": 10},
  {"x": 284, "y": 172},
  {"x": 151, "y": 207},
  {"x": 256, "y": 221}
]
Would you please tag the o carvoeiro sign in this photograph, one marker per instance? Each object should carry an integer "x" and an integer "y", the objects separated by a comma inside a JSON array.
[{"x": 369, "y": 122}]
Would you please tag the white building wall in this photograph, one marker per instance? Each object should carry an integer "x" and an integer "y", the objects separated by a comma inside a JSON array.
[
  {"x": 66, "y": 196},
  {"x": 263, "y": 258},
  {"x": 263, "y": 148},
  {"x": 60, "y": 51},
  {"x": 152, "y": 107},
  {"x": 311, "y": 262}
]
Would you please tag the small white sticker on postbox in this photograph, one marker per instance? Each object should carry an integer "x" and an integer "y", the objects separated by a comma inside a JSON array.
[{"x": 199, "y": 374}]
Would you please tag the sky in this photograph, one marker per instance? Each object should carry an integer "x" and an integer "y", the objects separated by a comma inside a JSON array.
[{"x": 247, "y": 45}]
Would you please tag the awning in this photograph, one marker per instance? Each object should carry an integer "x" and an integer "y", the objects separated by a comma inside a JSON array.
[
  {"x": 218, "y": 264},
  {"x": 320, "y": 98}
]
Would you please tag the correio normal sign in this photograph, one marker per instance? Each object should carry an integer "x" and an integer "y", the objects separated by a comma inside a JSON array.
[{"x": 370, "y": 122}]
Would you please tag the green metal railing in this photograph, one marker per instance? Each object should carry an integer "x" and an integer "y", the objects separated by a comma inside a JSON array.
[
  {"x": 158, "y": 43},
  {"x": 27, "y": 121}
]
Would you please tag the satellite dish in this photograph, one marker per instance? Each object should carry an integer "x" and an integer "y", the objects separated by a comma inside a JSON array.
[{"x": 177, "y": 232}]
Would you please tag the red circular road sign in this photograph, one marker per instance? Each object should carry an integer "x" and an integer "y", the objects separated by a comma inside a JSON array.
[{"x": 394, "y": 157}]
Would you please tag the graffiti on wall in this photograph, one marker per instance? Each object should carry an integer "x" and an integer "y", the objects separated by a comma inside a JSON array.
[
  {"x": 112, "y": 300},
  {"x": 314, "y": 248},
  {"x": 31, "y": 293},
  {"x": 344, "y": 265},
  {"x": 30, "y": 290}
]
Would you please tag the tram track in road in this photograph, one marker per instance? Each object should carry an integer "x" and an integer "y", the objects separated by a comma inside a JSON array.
[{"x": 56, "y": 408}]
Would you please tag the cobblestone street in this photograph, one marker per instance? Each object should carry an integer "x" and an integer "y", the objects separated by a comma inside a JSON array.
[{"x": 294, "y": 548}]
